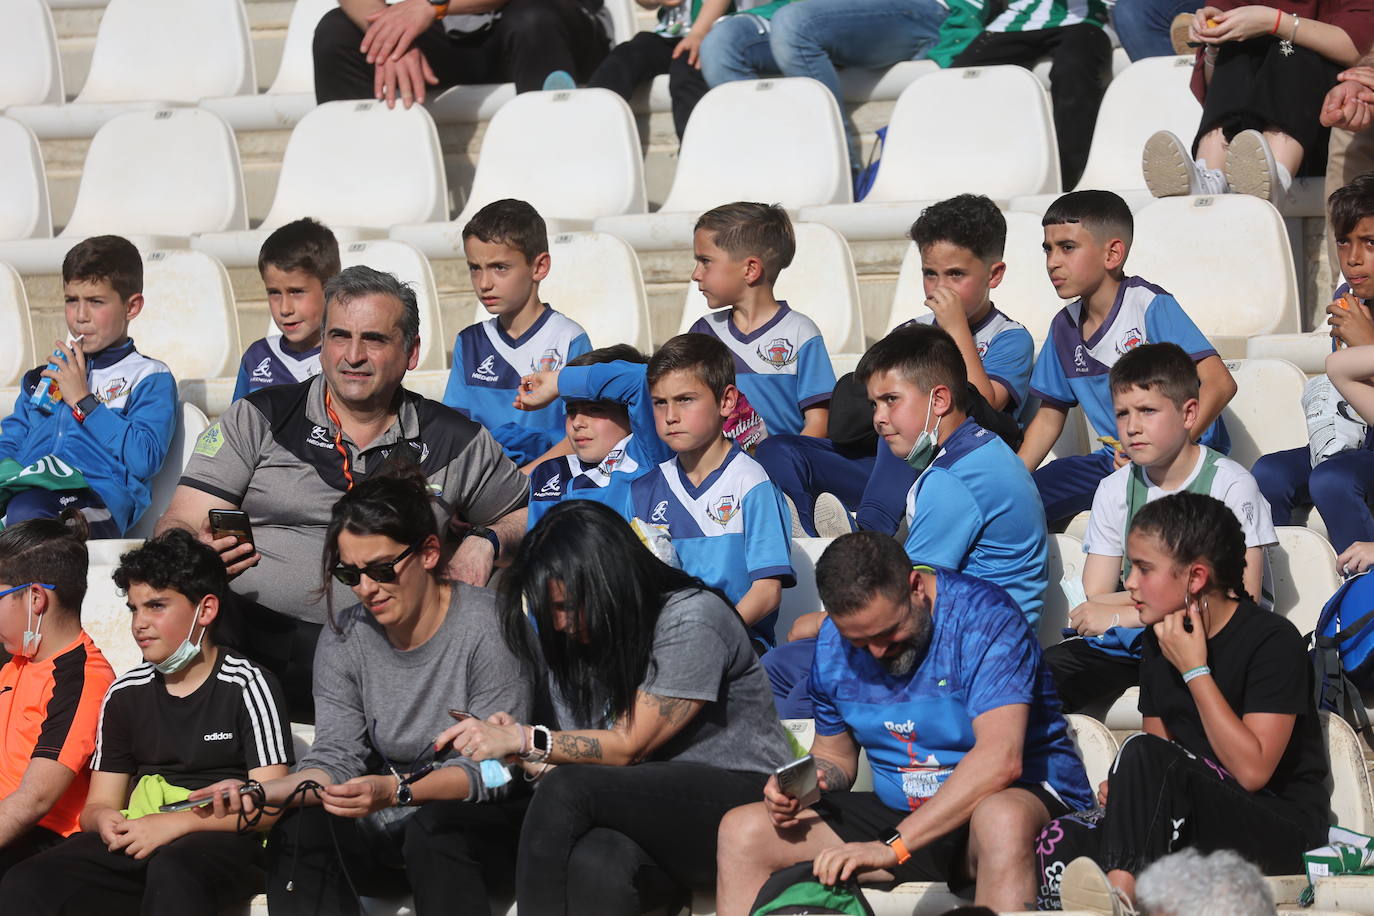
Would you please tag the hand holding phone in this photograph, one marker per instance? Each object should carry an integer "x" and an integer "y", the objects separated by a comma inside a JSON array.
[
  {"x": 188, "y": 804},
  {"x": 231, "y": 523},
  {"x": 798, "y": 780}
]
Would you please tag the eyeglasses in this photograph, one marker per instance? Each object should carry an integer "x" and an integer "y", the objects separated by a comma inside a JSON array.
[
  {"x": 381, "y": 573},
  {"x": 20, "y": 588}
]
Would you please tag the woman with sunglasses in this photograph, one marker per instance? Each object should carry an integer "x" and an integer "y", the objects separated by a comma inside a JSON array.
[
  {"x": 387, "y": 672},
  {"x": 662, "y": 710}
]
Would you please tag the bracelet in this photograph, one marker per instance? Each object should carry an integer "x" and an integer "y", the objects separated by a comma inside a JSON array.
[
  {"x": 1278, "y": 20},
  {"x": 526, "y": 740},
  {"x": 1197, "y": 672},
  {"x": 537, "y": 754}
]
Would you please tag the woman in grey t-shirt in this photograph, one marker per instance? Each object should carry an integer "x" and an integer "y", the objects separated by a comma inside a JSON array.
[{"x": 665, "y": 720}]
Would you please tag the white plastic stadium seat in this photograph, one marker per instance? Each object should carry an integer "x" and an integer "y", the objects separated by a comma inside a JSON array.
[
  {"x": 292, "y": 93},
  {"x": 358, "y": 167},
  {"x": 1226, "y": 259},
  {"x": 1150, "y": 95},
  {"x": 411, "y": 267},
  {"x": 105, "y": 616},
  {"x": 191, "y": 424},
  {"x": 949, "y": 134},
  {"x": 16, "y": 345},
  {"x": 188, "y": 320},
  {"x": 1065, "y": 561},
  {"x": 541, "y": 147},
  {"x": 820, "y": 283},
  {"x": 786, "y": 146},
  {"x": 152, "y": 54},
  {"x": 1095, "y": 745},
  {"x": 595, "y": 281},
  {"x": 1025, "y": 293},
  {"x": 624, "y": 18},
  {"x": 1308, "y": 351},
  {"x": 30, "y": 69},
  {"x": 801, "y": 598},
  {"x": 1303, "y": 567},
  {"x": 154, "y": 177},
  {"x": 1266, "y": 413},
  {"x": 23, "y": 185}
]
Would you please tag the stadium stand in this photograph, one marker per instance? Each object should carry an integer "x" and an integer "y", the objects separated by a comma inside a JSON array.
[
  {"x": 16, "y": 347},
  {"x": 358, "y": 167},
  {"x": 1266, "y": 413},
  {"x": 154, "y": 177},
  {"x": 152, "y": 54},
  {"x": 23, "y": 185},
  {"x": 540, "y": 147},
  {"x": 30, "y": 68},
  {"x": 190, "y": 424},
  {"x": 1306, "y": 351}
]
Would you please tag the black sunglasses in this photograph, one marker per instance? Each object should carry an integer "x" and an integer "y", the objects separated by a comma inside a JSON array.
[{"x": 382, "y": 573}]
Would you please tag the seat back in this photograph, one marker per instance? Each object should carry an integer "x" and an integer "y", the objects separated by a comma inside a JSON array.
[
  {"x": 1266, "y": 413},
  {"x": 786, "y": 146},
  {"x": 820, "y": 283},
  {"x": 362, "y": 164},
  {"x": 625, "y": 19},
  {"x": 173, "y": 171},
  {"x": 190, "y": 424},
  {"x": 1095, "y": 744},
  {"x": 1226, "y": 259},
  {"x": 1352, "y": 803},
  {"x": 1303, "y": 569},
  {"x": 949, "y": 134},
  {"x": 23, "y": 184},
  {"x": 1150, "y": 95},
  {"x": 412, "y": 268},
  {"x": 801, "y": 598},
  {"x": 542, "y": 147},
  {"x": 1065, "y": 561},
  {"x": 105, "y": 616},
  {"x": 170, "y": 50},
  {"x": 189, "y": 320},
  {"x": 16, "y": 345},
  {"x": 297, "y": 70},
  {"x": 30, "y": 68}
]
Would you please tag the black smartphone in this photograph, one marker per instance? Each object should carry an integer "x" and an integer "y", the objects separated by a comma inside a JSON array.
[
  {"x": 798, "y": 779},
  {"x": 226, "y": 522},
  {"x": 188, "y": 804},
  {"x": 460, "y": 714}
]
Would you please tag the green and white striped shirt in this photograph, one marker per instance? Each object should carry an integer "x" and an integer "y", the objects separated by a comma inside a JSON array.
[{"x": 1030, "y": 15}]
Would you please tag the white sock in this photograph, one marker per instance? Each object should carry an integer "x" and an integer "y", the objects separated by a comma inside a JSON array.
[
  {"x": 1285, "y": 176},
  {"x": 1214, "y": 181}
]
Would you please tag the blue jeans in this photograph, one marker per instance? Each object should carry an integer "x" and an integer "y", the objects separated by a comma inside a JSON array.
[
  {"x": 1340, "y": 487},
  {"x": 1143, "y": 25},
  {"x": 814, "y": 37}
]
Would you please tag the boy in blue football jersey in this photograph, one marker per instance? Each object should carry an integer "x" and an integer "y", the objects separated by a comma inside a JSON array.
[
  {"x": 507, "y": 249},
  {"x": 727, "y": 521},
  {"x": 295, "y": 262},
  {"x": 610, "y": 426},
  {"x": 1087, "y": 237},
  {"x": 781, "y": 365}
]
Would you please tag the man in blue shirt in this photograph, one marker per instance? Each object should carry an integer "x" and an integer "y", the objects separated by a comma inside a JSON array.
[{"x": 937, "y": 677}]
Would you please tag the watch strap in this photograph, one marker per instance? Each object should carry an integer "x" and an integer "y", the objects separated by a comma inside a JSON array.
[
  {"x": 85, "y": 407},
  {"x": 483, "y": 531},
  {"x": 895, "y": 843}
]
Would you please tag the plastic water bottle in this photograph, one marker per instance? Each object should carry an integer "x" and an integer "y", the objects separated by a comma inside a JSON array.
[{"x": 47, "y": 395}]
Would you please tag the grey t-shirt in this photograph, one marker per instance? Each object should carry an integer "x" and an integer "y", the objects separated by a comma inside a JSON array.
[
  {"x": 702, "y": 651},
  {"x": 361, "y": 678}
]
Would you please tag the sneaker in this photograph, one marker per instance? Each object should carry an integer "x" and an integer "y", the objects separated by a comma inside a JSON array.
[
  {"x": 830, "y": 517},
  {"x": 558, "y": 80},
  {"x": 1178, "y": 33},
  {"x": 1250, "y": 167},
  {"x": 797, "y": 530},
  {"x": 1168, "y": 167},
  {"x": 1084, "y": 886}
]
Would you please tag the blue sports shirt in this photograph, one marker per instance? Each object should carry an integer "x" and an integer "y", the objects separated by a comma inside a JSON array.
[
  {"x": 266, "y": 363},
  {"x": 1007, "y": 352}
]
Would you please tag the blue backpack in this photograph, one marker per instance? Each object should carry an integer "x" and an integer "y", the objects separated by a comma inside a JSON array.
[{"x": 1343, "y": 652}]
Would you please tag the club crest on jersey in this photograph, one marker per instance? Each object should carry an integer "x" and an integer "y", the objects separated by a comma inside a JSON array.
[
  {"x": 550, "y": 361},
  {"x": 778, "y": 353},
  {"x": 982, "y": 348},
  {"x": 1129, "y": 341},
  {"x": 319, "y": 437},
  {"x": 723, "y": 509},
  {"x": 263, "y": 371},
  {"x": 113, "y": 389},
  {"x": 611, "y": 461},
  {"x": 486, "y": 370}
]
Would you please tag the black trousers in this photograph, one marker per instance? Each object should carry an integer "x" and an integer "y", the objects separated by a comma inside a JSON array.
[
  {"x": 281, "y": 644},
  {"x": 635, "y": 62},
  {"x": 1082, "y": 56},
  {"x": 198, "y": 873},
  {"x": 29, "y": 843},
  {"x": 530, "y": 40},
  {"x": 597, "y": 840},
  {"x": 1083, "y": 676}
]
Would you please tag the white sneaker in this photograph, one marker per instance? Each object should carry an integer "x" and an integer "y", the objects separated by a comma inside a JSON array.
[
  {"x": 1084, "y": 886},
  {"x": 830, "y": 517},
  {"x": 1250, "y": 167},
  {"x": 1170, "y": 171},
  {"x": 797, "y": 530}
]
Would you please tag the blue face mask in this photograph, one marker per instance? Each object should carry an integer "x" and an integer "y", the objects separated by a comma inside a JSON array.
[{"x": 185, "y": 653}]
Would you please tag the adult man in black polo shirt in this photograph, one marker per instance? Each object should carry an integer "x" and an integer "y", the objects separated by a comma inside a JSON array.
[{"x": 285, "y": 454}]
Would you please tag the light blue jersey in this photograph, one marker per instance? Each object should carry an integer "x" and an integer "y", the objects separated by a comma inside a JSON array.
[
  {"x": 266, "y": 363},
  {"x": 782, "y": 368},
  {"x": 487, "y": 366},
  {"x": 1007, "y": 352},
  {"x": 1071, "y": 370},
  {"x": 976, "y": 510},
  {"x": 729, "y": 532}
]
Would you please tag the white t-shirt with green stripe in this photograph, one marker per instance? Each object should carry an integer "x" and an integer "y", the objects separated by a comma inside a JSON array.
[{"x": 1030, "y": 15}]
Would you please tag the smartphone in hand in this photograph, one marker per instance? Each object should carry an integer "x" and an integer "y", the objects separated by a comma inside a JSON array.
[
  {"x": 799, "y": 780},
  {"x": 231, "y": 522}
]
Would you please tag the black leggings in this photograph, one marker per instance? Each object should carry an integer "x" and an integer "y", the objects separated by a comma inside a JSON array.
[
  {"x": 644, "y": 57},
  {"x": 1083, "y": 675},
  {"x": 1161, "y": 798},
  {"x": 595, "y": 838}
]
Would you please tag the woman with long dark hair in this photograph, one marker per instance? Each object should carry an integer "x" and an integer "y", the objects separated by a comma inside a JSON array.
[{"x": 663, "y": 719}]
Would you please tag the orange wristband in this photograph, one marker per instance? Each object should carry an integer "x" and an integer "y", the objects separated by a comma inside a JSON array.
[
  {"x": 441, "y": 10},
  {"x": 896, "y": 845}
]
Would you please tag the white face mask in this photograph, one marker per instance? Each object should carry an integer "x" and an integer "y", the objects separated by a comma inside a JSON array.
[
  {"x": 32, "y": 636},
  {"x": 923, "y": 452},
  {"x": 185, "y": 653}
]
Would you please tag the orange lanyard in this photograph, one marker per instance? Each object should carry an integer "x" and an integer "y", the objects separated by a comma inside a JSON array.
[{"x": 338, "y": 439}]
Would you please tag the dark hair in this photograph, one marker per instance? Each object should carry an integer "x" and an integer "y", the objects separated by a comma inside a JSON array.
[
  {"x": 970, "y": 221},
  {"x": 617, "y": 590},
  {"x": 703, "y": 355},
  {"x": 510, "y": 222},
  {"x": 858, "y": 566},
  {"x": 396, "y": 504},
  {"x": 1162, "y": 367},
  {"x": 1351, "y": 203},
  {"x": 48, "y": 550},
  {"x": 745, "y": 229},
  {"x": 175, "y": 560},
  {"x": 1104, "y": 214},
  {"x": 106, "y": 257},
  {"x": 349, "y": 284},
  {"x": 621, "y": 352},
  {"x": 304, "y": 245},
  {"x": 1192, "y": 526},
  {"x": 922, "y": 354}
]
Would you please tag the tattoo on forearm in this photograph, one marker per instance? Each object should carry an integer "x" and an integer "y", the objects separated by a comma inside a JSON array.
[
  {"x": 577, "y": 747},
  {"x": 672, "y": 710},
  {"x": 835, "y": 779}
]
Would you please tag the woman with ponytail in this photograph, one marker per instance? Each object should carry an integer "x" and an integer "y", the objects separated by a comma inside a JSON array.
[{"x": 1232, "y": 755}]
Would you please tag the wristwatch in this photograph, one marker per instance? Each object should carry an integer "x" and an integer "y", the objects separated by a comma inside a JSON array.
[
  {"x": 481, "y": 531},
  {"x": 440, "y": 8},
  {"x": 895, "y": 843},
  {"x": 85, "y": 407},
  {"x": 405, "y": 797}
]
